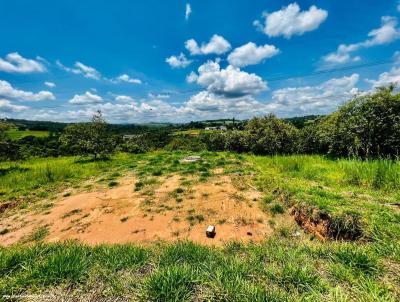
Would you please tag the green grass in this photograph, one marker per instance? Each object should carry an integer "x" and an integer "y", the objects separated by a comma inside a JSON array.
[
  {"x": 314, "y": 182},
  {"x": 33, "y": 179},
  {"x": 15, "y": 134},
  {"x": 355, "y": 195},
  {"x": 276, "y": 270}
]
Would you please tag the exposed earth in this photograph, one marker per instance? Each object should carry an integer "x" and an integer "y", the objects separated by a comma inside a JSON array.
[{"x": 164, "y": 208}]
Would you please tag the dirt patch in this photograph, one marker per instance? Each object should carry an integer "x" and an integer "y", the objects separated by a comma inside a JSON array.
[
  {"x": 166, "y": 210},
  {"x": 324, "y": 226}
]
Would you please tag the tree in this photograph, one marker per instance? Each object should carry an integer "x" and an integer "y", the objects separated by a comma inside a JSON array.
[
  {"x": 9, "y": 149},
  {"x": 368, "y": 126},
  {"x": 89, "y": 138},
  {"x": 270, "y": 135}
]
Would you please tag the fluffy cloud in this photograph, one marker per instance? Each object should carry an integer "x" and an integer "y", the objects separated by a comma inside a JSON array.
[
  {"x": 188, "y": 11},
  {"x": 229, "y": 82},
  {"x": 386, "y": 34},
  {"x": 86, "y": 98},
  {"x": 251, "y": 54},
  {"x": 7, "y": 107},
  {"x": 386, "y": 78},
  {"x": 340, "y": 58},
  {"x": 8, "y": 91},
  {"x": 191, "y": 77},
  {"x": 128, "y": 79},
  {"x": 159, "y": 96},
  {"x": 217, "y": 45},
  {"x": 178, "y": 61},
  {"x": 318, "y": 99},
  {"x": 124, "y": 99},
  {"x": 50, "y": 84},
  {"x": 15, "y": 63},
  {"x": 290, "y": 21},
  {"x": 209, "y": 105},
  {"x": 80, "y": 68}
]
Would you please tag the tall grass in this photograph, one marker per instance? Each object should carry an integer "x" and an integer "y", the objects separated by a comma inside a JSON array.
[
  {"x": 276, "y": 270},
  {"x": 26, "y": 176},
  {"x": 380, "y": 174},
  {"x": 377, "y": 174}
]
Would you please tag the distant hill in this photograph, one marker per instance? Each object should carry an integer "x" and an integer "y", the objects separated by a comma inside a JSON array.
[
  {"x": 47, "y": 126},
  {"x": 301, "y": 121}
]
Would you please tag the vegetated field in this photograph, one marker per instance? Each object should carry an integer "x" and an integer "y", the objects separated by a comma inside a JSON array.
[
  {"x": 289, "y": 228},
  {"x": 16, "y": 134},
  {"x": 194, "y": 132}
]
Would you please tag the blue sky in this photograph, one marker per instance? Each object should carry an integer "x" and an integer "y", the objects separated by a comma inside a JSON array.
[{"x": 177, "y": 61}]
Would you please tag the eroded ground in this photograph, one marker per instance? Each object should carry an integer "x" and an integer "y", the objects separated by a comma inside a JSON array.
[{"x": 169, "y": 207}]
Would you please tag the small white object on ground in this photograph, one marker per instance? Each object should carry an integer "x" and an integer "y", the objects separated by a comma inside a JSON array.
[
  {"x": 210, "y": 232},
  {"x": 191, "y": 158}
]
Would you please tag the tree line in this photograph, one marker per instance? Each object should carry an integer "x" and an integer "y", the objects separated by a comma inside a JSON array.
[{"x": 367, "y": 126}]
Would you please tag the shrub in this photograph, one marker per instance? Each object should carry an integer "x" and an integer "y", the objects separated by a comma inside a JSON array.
[
  {"x": 236, "y": 141},
  {"x": 368, "y": 126},
  {"x": 270, "y": 135},
  {"x": 186, "y": 143},
  {"x": 90, "y": 138},
  {"x": 214, "y": 141}
]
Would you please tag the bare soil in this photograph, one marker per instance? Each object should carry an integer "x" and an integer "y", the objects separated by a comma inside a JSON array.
[{"x": 173, "y": 208}]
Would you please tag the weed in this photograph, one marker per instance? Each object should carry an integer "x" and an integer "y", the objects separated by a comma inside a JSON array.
[
  {"x": 124, "y": 219},
  {"x": 4, "y": 231},
  {"x": 71, "y": 213},
  {"x": 112, "y": 184},
  {"x": 37, "y": 235},
  {"x": 277, "y": 209}
]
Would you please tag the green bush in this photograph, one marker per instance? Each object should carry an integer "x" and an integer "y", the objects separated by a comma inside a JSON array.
[
  {"x": 186, "y": 143},
  {"x": 270, "y": 135}
]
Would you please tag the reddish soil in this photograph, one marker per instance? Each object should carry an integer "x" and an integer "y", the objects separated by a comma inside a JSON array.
[{"x": 156, "y": 212}]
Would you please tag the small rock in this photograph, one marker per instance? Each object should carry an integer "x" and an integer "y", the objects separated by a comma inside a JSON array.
[
  {"x": 210, "y": 232},
  {"x": 191, "y": 158},
  {"x": 296, "y": 234}
]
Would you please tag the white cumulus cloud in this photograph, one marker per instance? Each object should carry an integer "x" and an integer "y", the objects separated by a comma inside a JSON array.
[
  {"x": 86, "y": 98},
  {"x": 230, "y": 82},
  {"x": 319, "y": 99},
  {"x": 251, "y": 54},
  {"x": 290, "y": 21},
  {"x": 124, "y": 98},
  {"x": 386, "y": 34},
  {"x": 9, "y": 92},
  {"x": 178, "y": 61},
  {"x": 389, "y": 77},
  {"x": 217, "y": 45},
  {"x": 80, "y": 68},
  {"x": 15, "y": 63},
  {"x": 7, "y": 107},
  {"x": 128, "y": 79}
]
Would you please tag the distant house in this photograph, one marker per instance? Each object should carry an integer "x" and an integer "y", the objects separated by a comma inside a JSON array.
[
  {"x": 222, "y": 128},
  {"x": 128, "y": 137}
]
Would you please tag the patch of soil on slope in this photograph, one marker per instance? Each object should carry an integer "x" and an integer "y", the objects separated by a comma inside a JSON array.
[
  {"x": 170, "y": 210},
  {"x": 344, "y": 226}
]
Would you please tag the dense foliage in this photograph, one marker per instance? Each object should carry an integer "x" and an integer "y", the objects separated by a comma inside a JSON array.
[{"x": 89, "y": 138}]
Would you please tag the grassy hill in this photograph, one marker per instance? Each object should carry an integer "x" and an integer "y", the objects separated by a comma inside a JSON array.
[
  {"x": 16, "y": 134},
  {"x": 335, "y": 230}
]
